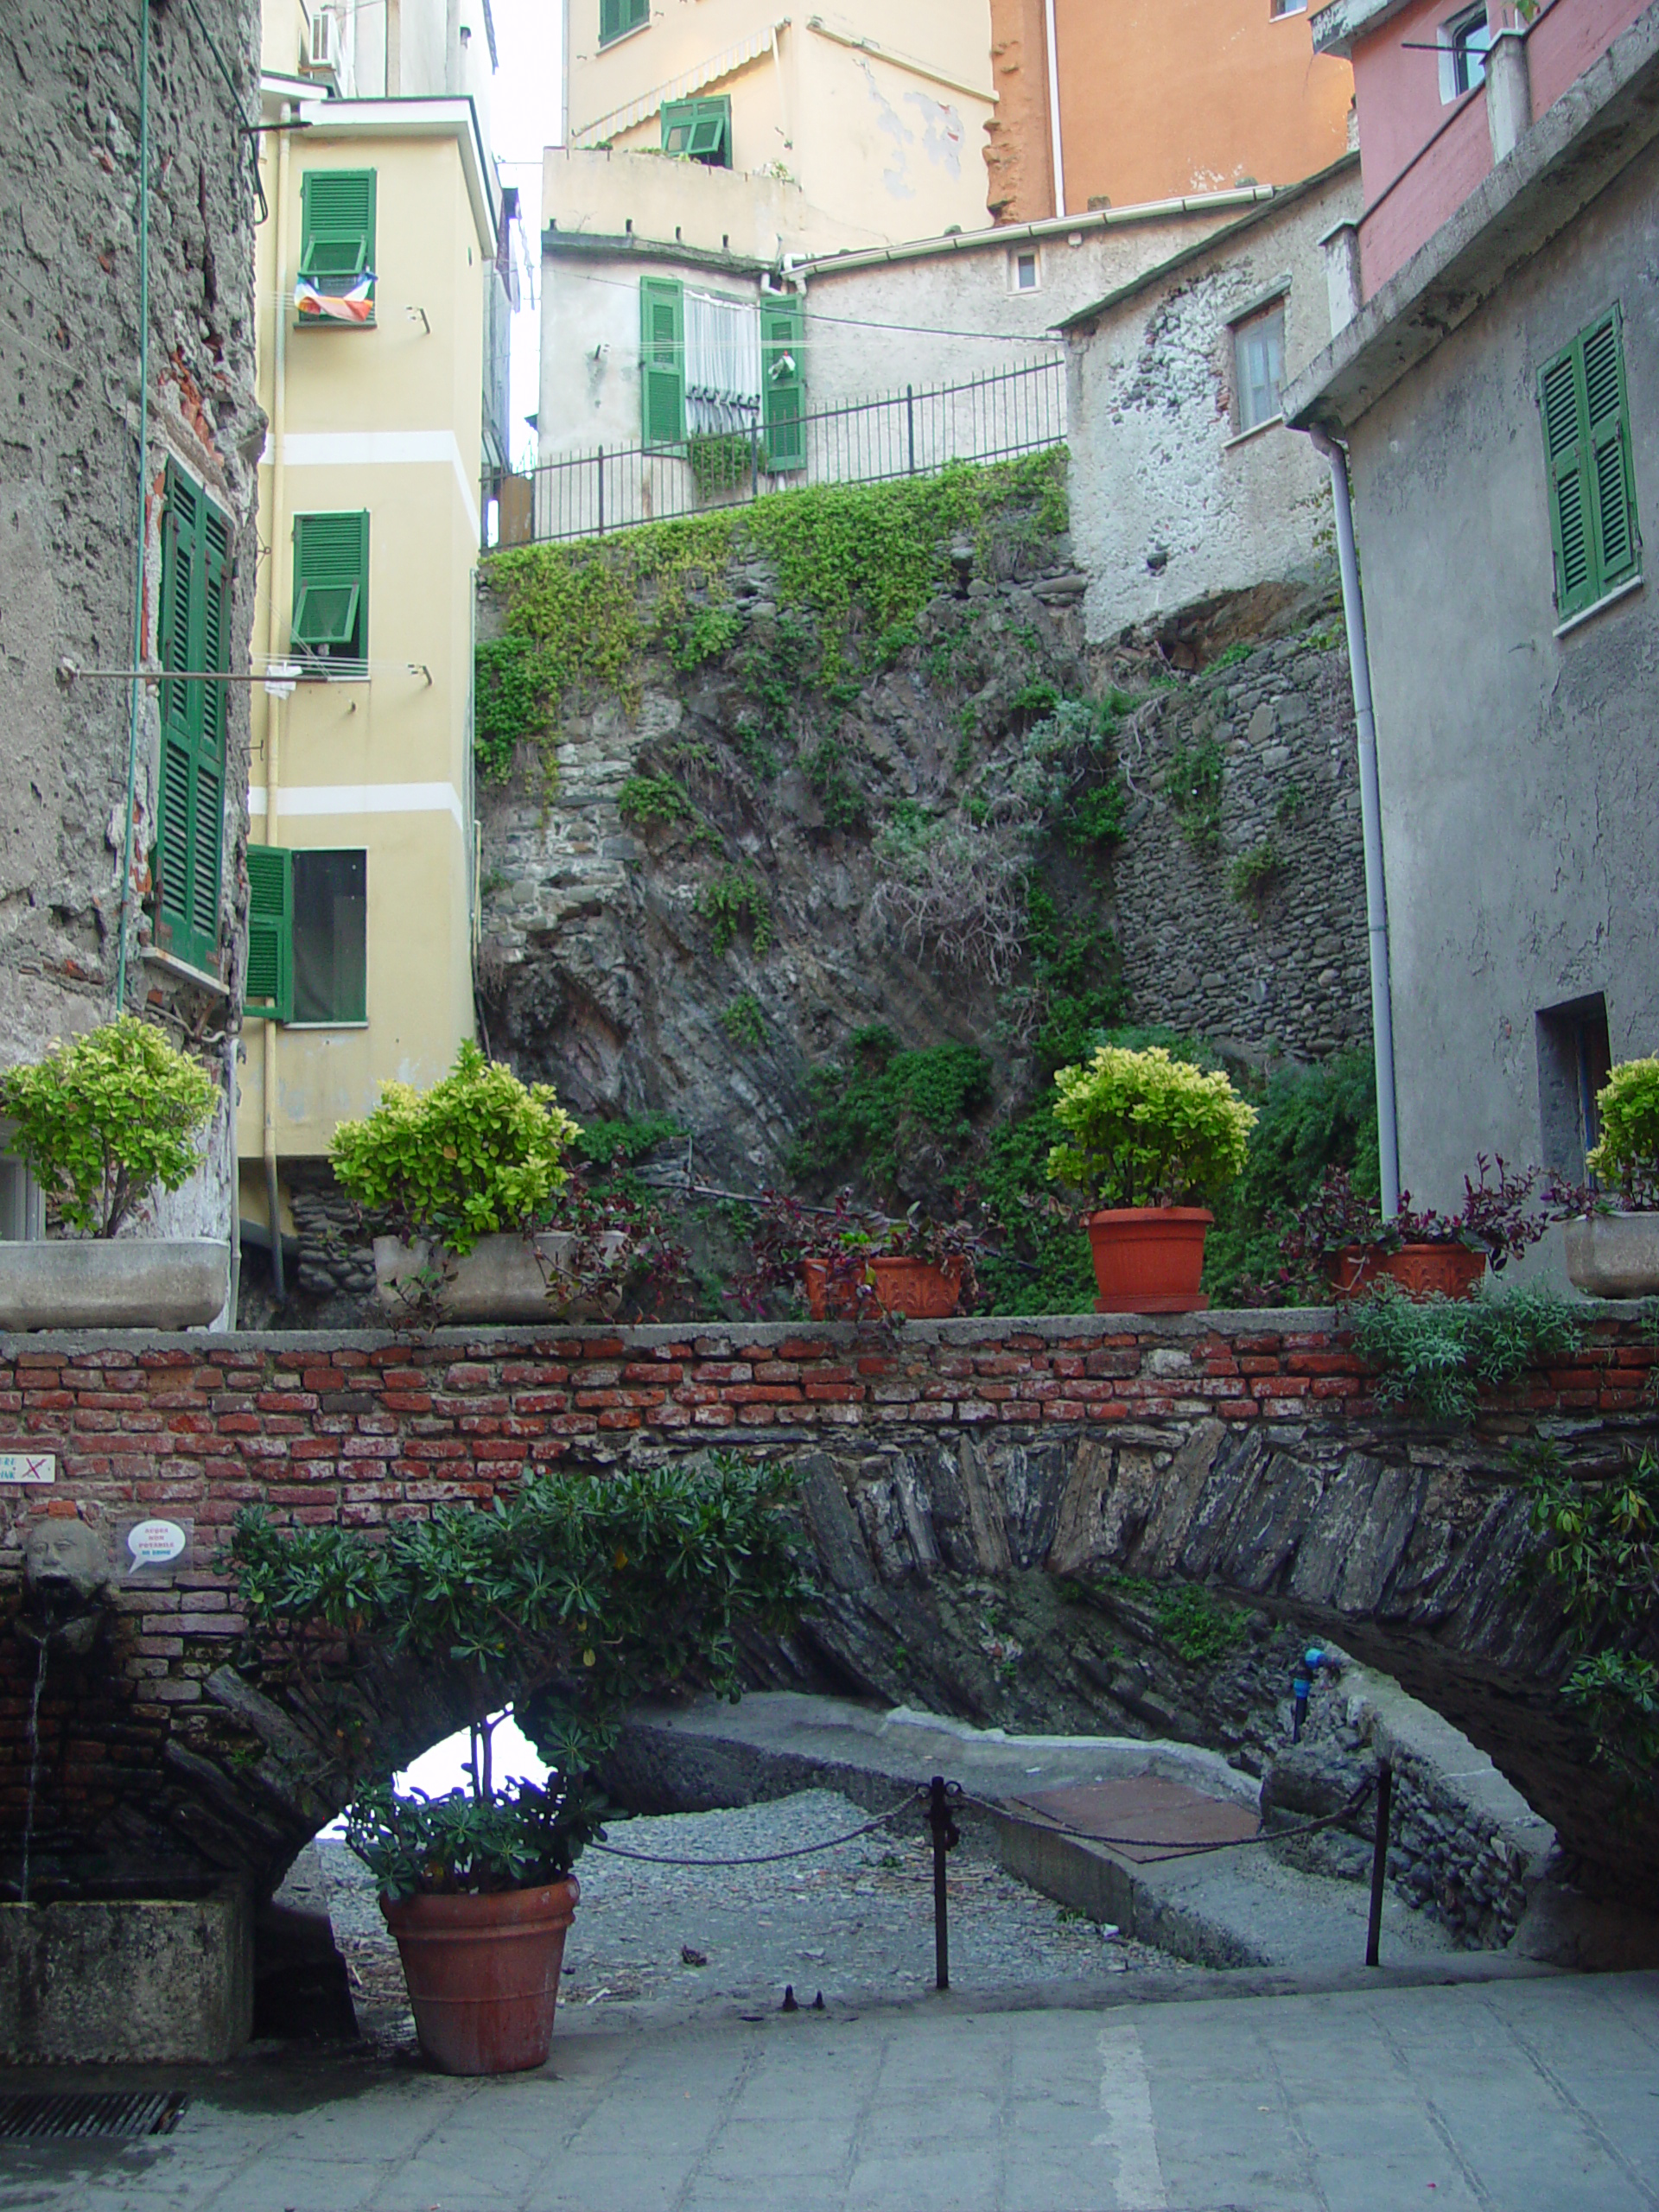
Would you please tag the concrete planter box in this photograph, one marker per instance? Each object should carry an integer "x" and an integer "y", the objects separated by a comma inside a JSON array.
[
  {"x": 132, "y": 1283},
  {"x": 501, "y": 1279},
  {"x": 139, "y": 1980},
  {"x": 1613, "y": 1254}
]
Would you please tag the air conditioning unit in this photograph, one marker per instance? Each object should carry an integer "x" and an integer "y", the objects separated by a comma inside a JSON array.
[{"x": 325, "y": 43}]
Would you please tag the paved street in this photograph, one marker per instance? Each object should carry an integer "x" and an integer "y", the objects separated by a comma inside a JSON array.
[{"x": 1536, "y": 2094}]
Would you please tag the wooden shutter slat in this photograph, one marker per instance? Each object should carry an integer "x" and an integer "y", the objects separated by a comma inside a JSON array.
[
  {"x": 662, "y": 361},
  {"x": 783, "y": 387},
  {"x": 268, "y": 989}
]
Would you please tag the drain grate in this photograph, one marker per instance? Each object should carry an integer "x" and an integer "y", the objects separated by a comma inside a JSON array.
[{"x": 59, "y": 2116}]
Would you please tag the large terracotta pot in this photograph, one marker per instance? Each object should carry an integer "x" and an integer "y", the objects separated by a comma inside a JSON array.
[
  {"x": 1613, "y": 1254},
  {"x": 1421, "y": 1270},
  {"x": 483, "y": 1973},
  {"x": 1149, "y": 1258}
]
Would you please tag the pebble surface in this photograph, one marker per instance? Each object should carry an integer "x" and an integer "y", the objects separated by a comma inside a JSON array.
[{"x": 659, "y": 1942}]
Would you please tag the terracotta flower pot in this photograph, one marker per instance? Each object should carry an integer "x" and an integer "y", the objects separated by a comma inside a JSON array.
[
  {"x": 1149, "y": 1258},
  {"x": 828, "y": 1298},
  {"x": 1421, "y": 1270},
  {"x": 922, "y": 1290},
  {"x": 483, "y": 1973}
]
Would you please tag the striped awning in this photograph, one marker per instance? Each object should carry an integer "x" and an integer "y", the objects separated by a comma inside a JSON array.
[{"x": 681, "y": 87}]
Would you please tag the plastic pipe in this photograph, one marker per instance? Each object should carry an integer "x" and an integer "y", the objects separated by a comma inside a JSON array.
[
  {"x": 136, "y": 709},
  {"x": 1370, "y": 821},
  {"x": 1055, "y": 106},
  {"x": 276, "y": 626}
]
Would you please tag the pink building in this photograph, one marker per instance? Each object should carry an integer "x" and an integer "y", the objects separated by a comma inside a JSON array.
[{"x": 1444, "y": 88}]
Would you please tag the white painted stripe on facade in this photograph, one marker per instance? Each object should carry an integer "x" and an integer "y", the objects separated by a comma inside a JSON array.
[
  {"x": 303, "y": 799},
  {"x": 379, "y": 448}
]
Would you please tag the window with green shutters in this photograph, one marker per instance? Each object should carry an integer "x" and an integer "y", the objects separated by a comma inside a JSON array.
[
  {"x": 331, "y": 587},
  {"x": 330, "y": 935},
  {"x": 617, "y": 16},
  {"x": 336, "y": 227},
  {"x": 268, "y": 986},
  {"x": 699, "y": 130},
  {"x": 1586, "y": 418},
  {"x": 194, "y": 640},
  {"x": 783, "y": 384},
  {"x": 662, "y": 361}
]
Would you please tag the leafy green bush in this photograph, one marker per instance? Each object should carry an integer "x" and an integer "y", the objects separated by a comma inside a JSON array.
[
  {"x": 1145, "y": 1129},
  {"x": 104, "y": 1121},
  {"x": 1436, "y": 1354},
  {"x": 1628, "y": 1154},
  {"x": 507, "y": 704},
  {"x": 644, "y": 800},
  {"x": 863, "y": 1106},
  {"x": 1308, "y": 1120},
  {"x": 1197, "y": 1627},
  {"x": 478, "y": 1153},
  {"x": 623, "y": 1142}
]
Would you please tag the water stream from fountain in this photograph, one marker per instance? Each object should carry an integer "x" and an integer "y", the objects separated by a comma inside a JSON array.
[{"x": 34, "y": 1763}]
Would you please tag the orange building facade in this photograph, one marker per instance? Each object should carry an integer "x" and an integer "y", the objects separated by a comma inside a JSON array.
[{"x": 1157, "y": 98}]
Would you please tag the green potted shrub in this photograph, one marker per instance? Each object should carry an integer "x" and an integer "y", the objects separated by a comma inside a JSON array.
[
  {"x": 1611, "y": 1231},
  {"x": 103, "y": 1124},
  {"x": 1149, "y": 1139},
  {"x": 578, "y": 1594},
  {"x": 466, "y": 1175}
]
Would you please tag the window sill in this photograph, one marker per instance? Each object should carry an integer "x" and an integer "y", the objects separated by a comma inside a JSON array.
[
  {"x": 1608, "y": 599},
  {"x": 333, "y": 322},
  {"x": 1244, "y": 437},
  {"x": 313, "y": 1025},
  {"x": 169, "y": 963}
]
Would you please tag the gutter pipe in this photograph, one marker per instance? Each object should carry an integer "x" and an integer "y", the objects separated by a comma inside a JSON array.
[
  {"x": 1054, "y": 43},
  {"x": 1370, "y": 818},
  {"x": 136, "y": 709},
  {"x": 276, "y": 696}
]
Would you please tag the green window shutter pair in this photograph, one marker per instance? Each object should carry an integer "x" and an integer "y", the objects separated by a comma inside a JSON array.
[
  {"x": 194, "y": 637},
  {"x": 616, "y": 17},
  {"x": 268, "y": 986},
  {"x": 783, "y": 384},
  {"x": 662, "y": 361},
  {"x": 1587, "y": 416},
  {"x": 699, "y": 130},
  {"x": 336, "y": 227},
  {"x": 330, "y": 620}
]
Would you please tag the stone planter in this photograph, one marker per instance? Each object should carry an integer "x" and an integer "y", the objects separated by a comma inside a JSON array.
[
  {"x": 1613, "y": 1254},
  {"x": 1149, "y": 1258},
  {"x": 126, "y": 1283},
  {"x": 501, "y": 1279}
]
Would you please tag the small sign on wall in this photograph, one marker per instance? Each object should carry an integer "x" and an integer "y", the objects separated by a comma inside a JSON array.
[
  {"x": 28, "y": 1467},
  {"x": 150, "y": 1550}
]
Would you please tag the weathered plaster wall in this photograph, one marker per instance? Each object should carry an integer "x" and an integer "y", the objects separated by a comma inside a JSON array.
[
  {"x": 70, "y": 516},
  {"x": 1170, "y": 504},
  {"x": 1519, "y": 796},
  {"x": 1019, "y": 157}
]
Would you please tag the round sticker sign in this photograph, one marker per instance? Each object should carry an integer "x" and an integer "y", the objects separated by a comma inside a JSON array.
[{"x": 153, "y": 1543}]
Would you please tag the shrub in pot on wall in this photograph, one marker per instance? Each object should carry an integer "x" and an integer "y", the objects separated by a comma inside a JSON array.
[
  {"x": 103, "y": 1124},
  {"x": 1149, "y": 1139},
  {"x": 1612, "y": 1232},
  {"x": 575, "y": 1596},
  {"x": 1339, "y": 1243}
]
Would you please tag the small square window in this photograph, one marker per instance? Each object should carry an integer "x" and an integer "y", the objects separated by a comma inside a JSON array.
[
  {"x": 1259, "y": 366},
  {"x": 1277, "y": 8},
  {"x": 330, "y": 937},
  {"x": 1024, "y": 271},
  {"x": 1465, "y": 42}
]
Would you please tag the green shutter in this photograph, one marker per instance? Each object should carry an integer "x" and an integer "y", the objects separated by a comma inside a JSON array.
[
  {"x": 331, "y": 586},
  {"x": 269, "y": 992},
  {"x": 662, "y": 361},
  {"x": 336, "y": 227},
  {"x": 194, "y": 637},
  {"x": 616, "y": 17},
  {"x": 1583, "y": 401},
  {"x": 699, "y": 130},
  {"x": 783, "y": 384}
]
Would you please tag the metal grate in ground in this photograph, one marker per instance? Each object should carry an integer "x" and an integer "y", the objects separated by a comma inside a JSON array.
[{"x": 62, "y": 2115}]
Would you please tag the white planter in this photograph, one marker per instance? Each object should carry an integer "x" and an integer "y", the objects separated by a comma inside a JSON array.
[
  {"x": 130, "y": 1283},
  {"x": 1613, "y": 1254},
  {"x": 501, "y": 1279}
]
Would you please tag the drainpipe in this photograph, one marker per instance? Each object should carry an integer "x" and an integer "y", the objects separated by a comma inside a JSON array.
[
  {"x": 277, "y": 625},
  {"x": 135, "y": 711},
  {"x": 1370, "y": 819},
  {"x": 1055, "y": 106}
]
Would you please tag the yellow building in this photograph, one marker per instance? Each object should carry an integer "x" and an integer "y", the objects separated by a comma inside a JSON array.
[
  {"x": 373, "y": 278},
  {"x": 879, "y": 119}
]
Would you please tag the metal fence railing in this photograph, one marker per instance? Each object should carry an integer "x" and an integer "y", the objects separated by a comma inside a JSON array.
[{"x": 914, "y": 432}]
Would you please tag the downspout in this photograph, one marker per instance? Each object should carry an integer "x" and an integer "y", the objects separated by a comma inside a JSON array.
[
  {"x": 1370, "y": 820},
  {"x": 1057, "y": 155},
  {"x": 136, "y": 709},
  {"x": 275, "y": 625}
]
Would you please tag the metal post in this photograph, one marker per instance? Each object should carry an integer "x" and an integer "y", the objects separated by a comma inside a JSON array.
[
  {"x": 1379, "y": 1860},
  {"x": 601, "y": 491},
  {"x": 910, "y": 418},
  {"x": 945, "y": 1838}
]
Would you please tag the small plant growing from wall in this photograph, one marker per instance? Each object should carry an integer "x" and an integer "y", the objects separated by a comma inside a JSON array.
[
  {"x": 646, "y": 801},
  {"x": 102, "y": 1123},
  {"x": 1197, "y": 776},
  {"x": 743, "y": 1022},
  {"x": 1254, "y": 874},
  {"x": 732, "y": 899}
]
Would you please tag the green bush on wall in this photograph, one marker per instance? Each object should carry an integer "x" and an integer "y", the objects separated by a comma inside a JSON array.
[
  {"x": 1143, "y": 1129},
  {"x": 1628, "y": 1154}
]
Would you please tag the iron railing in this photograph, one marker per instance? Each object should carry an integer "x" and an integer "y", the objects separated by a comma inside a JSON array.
[{"x": 914, "y": 432}]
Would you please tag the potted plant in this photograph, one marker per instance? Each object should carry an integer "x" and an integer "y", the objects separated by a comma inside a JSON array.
[
  {"x": 575, "y": 1596},
  {"x": 1339, "y": 1241},
  {"x": 466, "y": 1175},
  {"x": 924, "y": 1267},
  {"x": 103, "y": 1124},
  {"x": 853, "y": 1266},
  {"x": 1150, "y": 1138},
  {"x": 1612, "y": 1232}
]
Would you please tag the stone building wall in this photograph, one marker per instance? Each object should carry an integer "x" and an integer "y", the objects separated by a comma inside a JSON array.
[{"x": 71, "y": 517}]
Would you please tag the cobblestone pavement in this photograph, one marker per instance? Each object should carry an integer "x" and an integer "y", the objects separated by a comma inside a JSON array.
[{"x": 856, "y": 1922}]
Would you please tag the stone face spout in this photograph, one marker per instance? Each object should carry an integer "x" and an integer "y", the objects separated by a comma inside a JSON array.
[{"x": 66, "y": 1586}]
